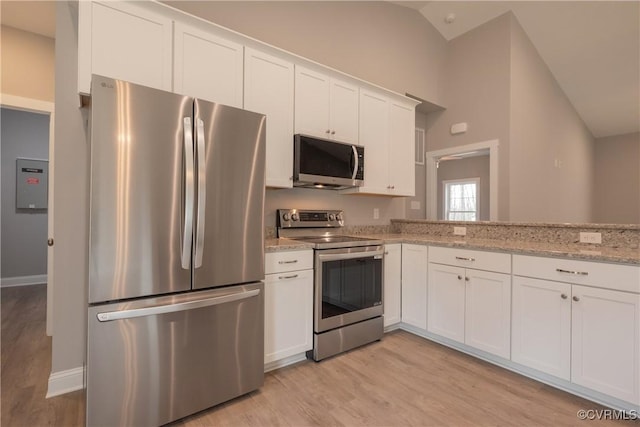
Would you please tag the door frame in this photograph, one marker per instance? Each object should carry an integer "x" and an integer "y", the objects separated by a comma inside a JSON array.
[
  {"x": 431, "y": 161},
  {"x": 48, "y": 108}
]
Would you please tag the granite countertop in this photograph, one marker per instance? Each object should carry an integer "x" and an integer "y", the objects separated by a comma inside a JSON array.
[{"x": 573, "y": 251}]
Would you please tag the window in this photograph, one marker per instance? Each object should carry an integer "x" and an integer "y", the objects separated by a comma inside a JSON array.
[{"x": 461, "y": 199}]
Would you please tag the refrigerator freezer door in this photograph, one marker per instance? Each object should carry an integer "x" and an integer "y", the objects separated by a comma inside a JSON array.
[
  {"x": 141, "y": 153},
  {"x": 152, "y": 361},
  {"x": 229, "y": 230}
]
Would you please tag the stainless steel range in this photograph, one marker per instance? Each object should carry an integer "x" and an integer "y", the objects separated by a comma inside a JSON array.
[{"x": 348, "y": 280}]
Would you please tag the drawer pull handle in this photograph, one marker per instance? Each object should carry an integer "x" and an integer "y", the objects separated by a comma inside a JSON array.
[
  {"x": 563, "y": 296},
  {"x": 288, "y": 262},
  {"x": 461, "y": 258},
  {"x": 577, "y": 273},
  {"x": 576, "y": 299},
  {"x": 293, "y": 276}
]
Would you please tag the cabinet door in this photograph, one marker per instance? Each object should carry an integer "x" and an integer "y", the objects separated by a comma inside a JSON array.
[
  {"x": 343, "y": 112},
  {"x": 446, "y": 301},
  {"x": 414, "y": 285},
  {"x": 605, "y": 342},
  {"x": 402, "y": 122},
  {"x": 392, "y": 284},
  {"x": 207, "y": 66},
  {"x": 124, "y": 41},
  {"x": 374, "y": 128},
  {"x": 268, "y": 89},
  {"x": 488, "y": 312},
  {"x": 288, "y": 314},
  {"x": 541, "y": 335},
  {"x": 311, "y": 103}
]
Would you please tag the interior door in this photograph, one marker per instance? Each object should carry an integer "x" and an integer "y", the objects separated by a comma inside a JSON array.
[
  {"x": 229, "y": 229},
  {"x": 138, "y": 145}
]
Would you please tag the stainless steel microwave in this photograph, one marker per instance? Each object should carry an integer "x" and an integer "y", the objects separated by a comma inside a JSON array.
[{"x": 321, "y": 163}]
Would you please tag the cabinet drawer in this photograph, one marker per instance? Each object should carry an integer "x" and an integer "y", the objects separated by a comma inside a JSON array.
[
  {"x": 609, "y": 276},
  {"x": 481, "y": 260},
  {"x": 279, "y": 262}
]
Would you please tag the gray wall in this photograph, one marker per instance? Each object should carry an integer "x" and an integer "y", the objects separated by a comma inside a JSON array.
[
  {"x": 71, "y": 180},
  {"x": 477, "y": 92},
  {"x": 24, "y": 232},
  {"x": 617, "y": 180},
  {"x": 470, "y": 167},
  {"x": 545, "y": 127}
]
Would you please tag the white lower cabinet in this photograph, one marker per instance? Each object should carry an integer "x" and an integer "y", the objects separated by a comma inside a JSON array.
[
  {"x": 542, "y": 325},
  {"x": 392, "y": 284},
  {"x": 471, "y": 306},
  {"x": 414, "y": 285},
  {"x": 587, "y": 333},
  {"x": 288, "y": 314}
]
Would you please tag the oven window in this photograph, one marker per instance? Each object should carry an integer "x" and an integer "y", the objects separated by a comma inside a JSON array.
[{"x": 350, "y": 285}]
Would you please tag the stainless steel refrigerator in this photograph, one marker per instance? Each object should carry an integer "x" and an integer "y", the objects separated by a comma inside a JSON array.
[{"x": 176, "y": 254}]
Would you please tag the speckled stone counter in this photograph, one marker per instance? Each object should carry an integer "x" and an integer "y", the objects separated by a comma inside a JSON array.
[{"x": 279, "y": 245}]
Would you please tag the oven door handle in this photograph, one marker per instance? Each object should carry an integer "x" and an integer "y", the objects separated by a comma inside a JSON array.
[{"x": 350, "y": 255}]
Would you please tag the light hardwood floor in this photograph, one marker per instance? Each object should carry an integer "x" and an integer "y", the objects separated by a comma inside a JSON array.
[{"x": 402, "y": 380}]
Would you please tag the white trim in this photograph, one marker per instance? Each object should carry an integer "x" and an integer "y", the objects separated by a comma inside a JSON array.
[
  {"x": 41, "y": 107},
  {"x": 8, "y": 282},
  {"x": 284, "y": 362},
  {"x": 65, "y": 381},
  {"x": 432, "y": 175}
]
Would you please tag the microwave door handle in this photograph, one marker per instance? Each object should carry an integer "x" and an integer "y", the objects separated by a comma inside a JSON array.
[
  {"x": 356, "y": 162},
  {"x": 202, "y": 192},
  {"x": 187, "y": 232}
]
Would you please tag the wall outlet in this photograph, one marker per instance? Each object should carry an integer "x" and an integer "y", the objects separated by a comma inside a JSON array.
[
  {"x": 459, "y": 231},
  {"x": 415, "y": 204},
  {"x": 376, "y": 213},
  {"x": 590, "y": 237}
]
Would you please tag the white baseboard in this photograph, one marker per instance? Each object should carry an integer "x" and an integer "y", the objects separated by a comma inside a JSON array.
[
  {"x": 284, "y": 362},
  {"x": 7, "y": 282},
  {"x": 65, "y": 381}
]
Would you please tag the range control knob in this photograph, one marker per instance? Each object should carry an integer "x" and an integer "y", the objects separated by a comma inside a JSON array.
[
  {"x": 339, "y": 217},
  {"x": 294, "y": 217},
  {"x": 285, "y": 216},
  {"x": 332, "y": 217}
]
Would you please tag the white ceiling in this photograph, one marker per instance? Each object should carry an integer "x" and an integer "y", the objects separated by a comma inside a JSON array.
[{"x": 591, "y": 47}]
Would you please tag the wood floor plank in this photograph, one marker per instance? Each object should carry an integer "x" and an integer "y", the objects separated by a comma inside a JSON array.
[{"x": 403, "y": 380}]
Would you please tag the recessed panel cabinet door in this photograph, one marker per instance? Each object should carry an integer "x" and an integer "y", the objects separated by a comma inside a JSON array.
[
  {"x": 392, "y": 284},
  {"x": 312, "y": 103},
  {"x": 488, "y": 312},
  {"x": 374, "y": 129},
  {"x": 541, "y": 335},
  {"x": 268, "y": 89},
  {"x": 446, "y": 301},
  {"x": 402, "y": 122},
  {"x": 606, "y": 342},
  {"x": 343, "y": 112},
  {"x": 414, "y": 285},
  {"x": 207, "y": 66},
  {"x": 125, "y": 42}
]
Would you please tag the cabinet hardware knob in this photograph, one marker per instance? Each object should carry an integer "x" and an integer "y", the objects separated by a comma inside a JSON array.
[
  {"x": 563, "y": 296},
  {"x": 466, "y": 279},
  {"x": 333, "y": 132},
  {"x": 459, "y": 277},
  {"x": 328, "y": 131},
  {"x": 50, "y": 241},
  {"x": 576, "y": 299},
  {"x": 291, "y": 178},
  {"x": 386, "y": 252}
]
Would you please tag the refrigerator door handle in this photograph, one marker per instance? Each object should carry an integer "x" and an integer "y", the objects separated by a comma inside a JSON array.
[
  {"x": 202, "y": 192},
  {"x": 189, "y": 194},
  {"x": 172, "y": 308}
]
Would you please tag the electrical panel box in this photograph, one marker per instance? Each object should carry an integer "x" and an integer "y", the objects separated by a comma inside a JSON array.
[{"x": 32, "y": 183}]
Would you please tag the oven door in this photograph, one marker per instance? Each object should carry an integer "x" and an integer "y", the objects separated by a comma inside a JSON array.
[{"x": 348, "y": 286}]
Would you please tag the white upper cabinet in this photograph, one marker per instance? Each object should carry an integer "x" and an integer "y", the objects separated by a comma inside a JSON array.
[
  {"x": 325, "y": 107},
  {"x": 207, "y": 66},
  {"x": 124, "y": 41},
  {"x": 387, "y": 129},
  {"x": 268, "y": 89},
  {"x": 402, "y": 122}
]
